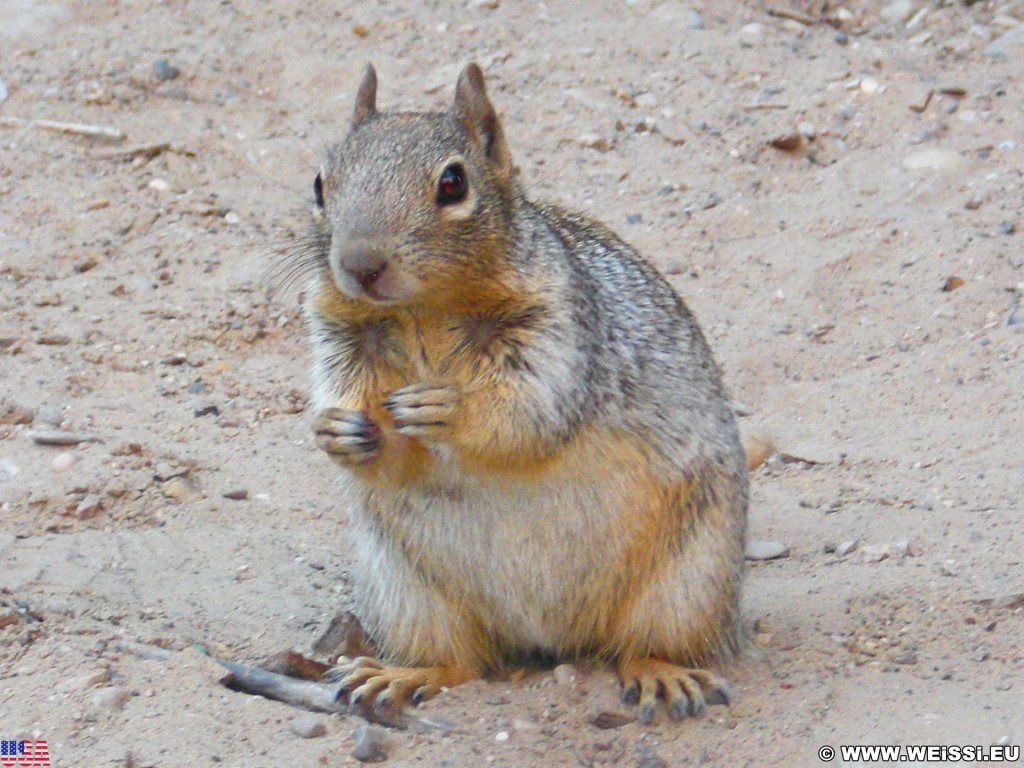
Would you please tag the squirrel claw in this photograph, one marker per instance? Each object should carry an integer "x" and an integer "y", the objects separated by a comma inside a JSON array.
[
  {"x": 423, "y": 409},
  {"x": 348, "y": 437},
  {"x": 367, "y": 686},
  {"x": 686, "y": 692}
]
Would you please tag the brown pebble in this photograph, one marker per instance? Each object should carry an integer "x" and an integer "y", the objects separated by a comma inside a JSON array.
[
  {"x": 952, "y": 283},
  {"x": 55, "y": 339},
  {"x": 180, "y": 489},
  {"x": 16, "y": 414},
  {"x": 758, "y": 448},
  {"x": 787, "y": 142},
  {"x": 236, "y": 495},
  {"x": 608, "y": 720},
  {"x": 89, "y": 507}
]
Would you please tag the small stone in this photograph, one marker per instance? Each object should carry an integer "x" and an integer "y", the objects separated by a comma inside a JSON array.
[
  {"x": 807, "y": 130},
  {"x": 869, "y": 86},
  {"x": 160, "y": 185},
  {"x": 1007, "y": 227},
  {"x": 594, "y": 141},
  {"x": 369, "y": 744},
  {"x": 232, "y": 218},
  {"x": 787, "y": 142},
  {"x": 16, "y": 414},
  {"x": 164, "y": 70},
  {"x": 647, "y": 100},
  {"x": 308, "y": 727},
  {"x": 205, "y": 409},
  {"x": 239, "y": 494},
  {"x": 180, "y": 489},
  {"x": 898, "y": 12},
  {"x": 1016, "y": 317},
  {"x": 3, "y": 91},
  {"x": 1007, "y": 45},
  {"x": 846, "y": 547},
  {"x": 608, "y": 720},
  {"x": 766, "y": 550},
  {"x": 87, "y": 681},
  {"x": 652, "y": 761},
  {"x": 89, "y": 507},
  {"x": 489, "y": 5},
  {"x": 974, "y": 202},
  {"x": 635, "y": 218},
  {"x": 758, "y": 448},
  {"x": 952, "y": 283},
  {"x": 565, "y": 674},
  {"x": 695, "y": 20},
  {"x": 934, "y": 159},
  {"x": 8, "y": 469},
  {"x": 502, "y": 736},
  {"x": 51, "y": 415},
  {"x": 840, "y": 37},
  {"x": 751, "y": 35},
  {"x": 63, "y": 461},
  {"x": 54, "y": 340},
  {"x": 111, "y": 699}
]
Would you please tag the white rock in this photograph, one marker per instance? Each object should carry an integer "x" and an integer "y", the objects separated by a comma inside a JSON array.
[
  {"x": 111, "y": 699},
  {"x": 308, "y": 727},
  {"x": 1009, "y": 44},
  {"x": 752, "y": 35},
  {"x": 594, "y": 141},
  {"x": 898, "y": 12},
  {"x": 934, "y": 159},
  {"x": 63, "y": 461},
  {"x": 766, "y": 550}
]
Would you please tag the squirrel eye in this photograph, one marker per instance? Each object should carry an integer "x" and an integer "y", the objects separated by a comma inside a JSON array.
[
  {"x": 451, "y": 187},
  {"x": 318, "y": 190}
]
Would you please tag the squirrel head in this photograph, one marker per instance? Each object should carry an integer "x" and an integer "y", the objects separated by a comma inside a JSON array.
[{"x": 415, "y": 206}]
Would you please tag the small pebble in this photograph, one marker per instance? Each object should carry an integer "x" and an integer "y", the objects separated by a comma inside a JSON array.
[
  {"x": 111, "y": 699},
  {"x": 489, "y": 5},
  {"x": 934, "y": 159},
  {"x": 610, "y": 720},
  {"x": 898, "y": 12},
  {"x": 841, "y": 37},
  {"x": 652, "y": 761},
  {"x": 752, "y": 35},
  {"x": 89, "y": 507},
  {"x": 1016, "y": 317},
  {"x": 807, "y": 130},
  {"x": 8, "y": 469},
  {"x": 180, "y": 489},
  {"x": 766, "y": 550},
  {"x": 369, "y": 744},
  {"x": 501, "y": 736},
  {"x": 205, "y": 409},
  {"x": 87, "y": 681},
  {"x": 869, "y": 86},
  {"x": 63, "y": 461},
  {"x": 635, "y": 218},
  {"x": 845, "y": 548},
  {"x": 50, "y": 414},
  {"x": 565, "y": 674},
  {"x": 1007, "y": 227},
  {"x": 696, "y": 21},
  {"x": 308, "y": 727},
  {"x": 239, "y": 494},
  {"x": 164, "y": 70},
  {"x": 594, "y": 141}
]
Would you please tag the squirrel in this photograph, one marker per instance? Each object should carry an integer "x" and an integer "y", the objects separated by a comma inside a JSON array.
[{"x": 540, "y": 459}]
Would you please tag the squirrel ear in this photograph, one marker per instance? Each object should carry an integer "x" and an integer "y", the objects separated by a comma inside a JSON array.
[
  {"x": 474, "y": 110},
  {"x": 366, "y": 99}
]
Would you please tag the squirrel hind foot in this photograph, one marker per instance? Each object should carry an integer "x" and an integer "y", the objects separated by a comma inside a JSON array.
[
  {"x": 366, "y": 685},
  {"x": 685, "y": 692}
]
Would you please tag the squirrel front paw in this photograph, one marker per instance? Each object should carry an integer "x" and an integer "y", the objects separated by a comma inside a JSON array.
[
  {"x": 423, "y": 410},
  {"x": 350, "y": 438}
]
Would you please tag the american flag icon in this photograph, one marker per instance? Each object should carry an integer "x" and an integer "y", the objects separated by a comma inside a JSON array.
[{"x": 23, "y": 754}]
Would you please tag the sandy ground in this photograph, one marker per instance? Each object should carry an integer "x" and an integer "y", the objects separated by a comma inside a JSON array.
[{"x": 859, "y": 290}]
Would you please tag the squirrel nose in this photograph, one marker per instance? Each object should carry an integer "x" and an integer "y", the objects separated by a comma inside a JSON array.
[{"x": 367, "y": 276}]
